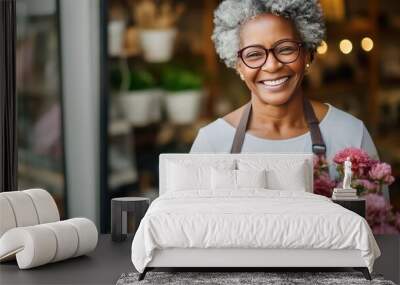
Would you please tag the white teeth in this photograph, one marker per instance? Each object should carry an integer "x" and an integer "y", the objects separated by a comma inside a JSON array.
[{"x": 276, "y": 82}]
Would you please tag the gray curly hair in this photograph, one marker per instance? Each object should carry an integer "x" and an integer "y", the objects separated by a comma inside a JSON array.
[{"x": 231, "y": 14}]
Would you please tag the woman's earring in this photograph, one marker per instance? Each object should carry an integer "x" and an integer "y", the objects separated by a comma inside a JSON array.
[
  {"x": 307, "y": 70},
  {"x": 241, "y": 76}
]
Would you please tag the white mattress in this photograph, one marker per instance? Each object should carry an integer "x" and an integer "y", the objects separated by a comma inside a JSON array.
[{"x": 258, "y": 219}]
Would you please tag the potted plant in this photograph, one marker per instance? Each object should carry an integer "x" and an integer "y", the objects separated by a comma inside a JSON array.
[
  {"x": 184, "y": 90},
  {"x": 140, "y": 104},
  {"x": 116, "y": 29},
  {"x": 157, "y": 30}
]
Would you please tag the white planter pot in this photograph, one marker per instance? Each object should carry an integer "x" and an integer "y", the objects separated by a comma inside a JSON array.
[
  {"x": 157, "y": 45},
  {"x": 116, "y": 31},
  {"x": 183, "y": 107},
  {"x": 141, "y": 108}
]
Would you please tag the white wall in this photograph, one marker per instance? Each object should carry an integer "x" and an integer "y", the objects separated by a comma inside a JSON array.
[{"x": 80, "y": 28}]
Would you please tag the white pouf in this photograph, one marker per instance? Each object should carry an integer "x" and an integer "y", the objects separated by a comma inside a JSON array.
[
  {"x": 7, "y": 219},
  {"x": 40, "y": 244},
  {"x": 45, "y": 205},
  {"x": 88, "y": 235},
  {"x": 33, "y": 246},
  {"x": 23, "y": 208},
  {"x": 66, "y": 237}
]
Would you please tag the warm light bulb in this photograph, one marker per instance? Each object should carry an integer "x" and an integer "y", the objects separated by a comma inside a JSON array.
[
  {"x": 323, "y": 48},
  {"x": 367, "y": 44},
  {"x": 345, "y": 46}
]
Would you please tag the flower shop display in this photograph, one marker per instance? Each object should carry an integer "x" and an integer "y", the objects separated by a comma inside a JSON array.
[{"x": 370, "y": 176}]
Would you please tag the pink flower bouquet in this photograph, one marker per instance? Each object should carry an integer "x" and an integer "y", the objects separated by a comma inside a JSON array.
[{"x": 369, "y": 178}]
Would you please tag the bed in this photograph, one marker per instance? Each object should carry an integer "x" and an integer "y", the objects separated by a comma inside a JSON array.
[{"x": 246, "y": 211}]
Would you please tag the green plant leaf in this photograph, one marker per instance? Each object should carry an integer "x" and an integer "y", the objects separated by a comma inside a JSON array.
[
  {"x": 140, "y": 80},
  {"x": 179, "y": 79}
]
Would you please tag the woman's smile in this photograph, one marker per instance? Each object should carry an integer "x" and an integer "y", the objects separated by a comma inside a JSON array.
[{"x": 276, "y": 84}]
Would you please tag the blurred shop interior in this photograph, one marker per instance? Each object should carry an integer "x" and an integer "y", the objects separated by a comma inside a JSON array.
[{"x": 155, "y": 79}]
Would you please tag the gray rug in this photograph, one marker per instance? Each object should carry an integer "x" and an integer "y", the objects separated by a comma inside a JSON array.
[{"x": 242, "y": 278}]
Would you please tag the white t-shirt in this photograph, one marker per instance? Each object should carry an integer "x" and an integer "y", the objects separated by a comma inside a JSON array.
[{"x": 339, "y": 130}]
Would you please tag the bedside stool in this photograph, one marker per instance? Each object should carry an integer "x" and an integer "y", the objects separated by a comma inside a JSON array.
[
  {"x": 119, "y": 215},
  {"x": 356, "y": 205}
]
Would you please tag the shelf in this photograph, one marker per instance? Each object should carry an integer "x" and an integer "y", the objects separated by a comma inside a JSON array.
[
  {"x": 128, "y": 176},
  {"x": 119, "y": 127}
]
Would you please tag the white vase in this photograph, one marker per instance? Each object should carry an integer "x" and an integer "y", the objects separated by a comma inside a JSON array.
[
  {"x": 183, "y": 106},
  {"x": 157, "y": 45},
  {"x": 116, "y": 31},
  {"x": 140, "y": 108}
]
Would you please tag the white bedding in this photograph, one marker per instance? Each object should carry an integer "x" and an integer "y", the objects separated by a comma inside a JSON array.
[{"x": 252, "y": 218}]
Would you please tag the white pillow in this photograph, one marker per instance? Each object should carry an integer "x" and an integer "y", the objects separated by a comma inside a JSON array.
[
  {"x": 189, "y": 175},
  {"x": 223, "y": 179},
  {"x": 237, "y": 179},
  {"x": 251, "y": 178},
  {"x": 281, "y": 174}
]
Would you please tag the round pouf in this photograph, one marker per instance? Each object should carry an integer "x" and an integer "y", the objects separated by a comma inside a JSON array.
[{"x": 119, "y": 215}]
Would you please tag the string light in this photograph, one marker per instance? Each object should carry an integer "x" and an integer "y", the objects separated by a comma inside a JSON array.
[
  {"x": 367, "y": 44},
  {"x": 345, "y": 46},
  {"x": 323, "y": 48}
]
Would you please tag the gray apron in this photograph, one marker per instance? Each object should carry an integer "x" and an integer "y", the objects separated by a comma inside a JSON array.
[{"x": 318, "y": 144}]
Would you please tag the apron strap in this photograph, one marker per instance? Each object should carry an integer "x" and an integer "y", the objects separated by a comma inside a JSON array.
[
  {"x": 318, "y": 144},
  {"x": 241, "y": 129}
]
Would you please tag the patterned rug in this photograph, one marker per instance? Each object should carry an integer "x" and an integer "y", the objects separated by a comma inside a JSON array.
[{"x": 243, "y": 278}]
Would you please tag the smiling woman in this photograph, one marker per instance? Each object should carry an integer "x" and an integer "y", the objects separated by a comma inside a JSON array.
[
  {"x": 271, "y": 43},
  {"x": 278, "y": 72}
]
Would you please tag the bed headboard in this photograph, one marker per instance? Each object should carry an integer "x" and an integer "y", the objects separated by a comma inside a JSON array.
[{"x": 165, "y": 157}]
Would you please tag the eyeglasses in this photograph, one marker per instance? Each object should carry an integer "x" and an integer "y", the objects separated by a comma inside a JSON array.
[{"x": 285, "y": 51}]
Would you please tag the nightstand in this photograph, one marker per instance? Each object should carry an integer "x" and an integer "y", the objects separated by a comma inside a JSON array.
[
  {"x": 119, "y": 215},
  {"x": 356, "y": 205}
]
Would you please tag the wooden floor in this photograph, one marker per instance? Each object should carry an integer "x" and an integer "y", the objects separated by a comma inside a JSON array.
[{"x": 110, "y": 260}]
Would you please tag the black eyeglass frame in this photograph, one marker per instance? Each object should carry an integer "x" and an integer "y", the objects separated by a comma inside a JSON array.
[{"x": 271, "y": 50}]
